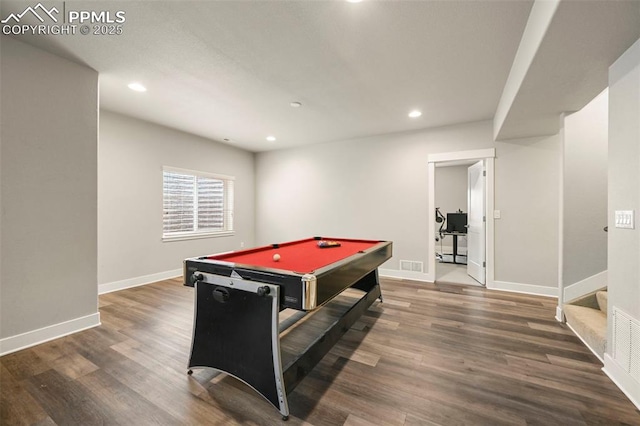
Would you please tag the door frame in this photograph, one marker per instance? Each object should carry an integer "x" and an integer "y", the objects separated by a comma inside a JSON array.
[{"x": 488, "y": 155}]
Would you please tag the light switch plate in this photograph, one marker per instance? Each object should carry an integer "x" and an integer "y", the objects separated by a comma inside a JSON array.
[
  {"x": 496, "y": 214},
  {"x": 625, "y": 219}
]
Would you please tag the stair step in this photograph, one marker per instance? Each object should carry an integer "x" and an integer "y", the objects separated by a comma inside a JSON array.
[
  {"x": 590, "y": 325},
  {"x": 602, "y": 297}
]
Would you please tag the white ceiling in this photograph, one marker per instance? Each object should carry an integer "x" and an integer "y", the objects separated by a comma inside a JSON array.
[
  {"x": 571, "y": 64},
  {"x": 229, "y": 69}
]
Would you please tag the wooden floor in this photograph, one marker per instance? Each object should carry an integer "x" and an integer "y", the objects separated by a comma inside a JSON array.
[{"x": 429, "y": 355}]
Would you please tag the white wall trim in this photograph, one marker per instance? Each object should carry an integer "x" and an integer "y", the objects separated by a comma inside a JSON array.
[
  {"x": 137, "y": 281},
  {"x": 45, "y": 334},
  {"x": 489, "y": 203},
  {"x": 586, "y": 286},
  {"x": 538, "y": 290},
  {"x": 561, "y": 294},
  {"x": 622, "y": 379},
  {"x": 431, "y": 218},
  {"x": 462, "y": 155},
  {"x": 407, "y": 275}
]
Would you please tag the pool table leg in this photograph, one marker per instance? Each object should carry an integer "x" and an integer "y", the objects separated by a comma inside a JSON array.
[{"x": 236, "y": 332}]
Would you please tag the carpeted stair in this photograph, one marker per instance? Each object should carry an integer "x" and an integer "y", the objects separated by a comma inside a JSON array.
[{"x": 587, "y": 317}]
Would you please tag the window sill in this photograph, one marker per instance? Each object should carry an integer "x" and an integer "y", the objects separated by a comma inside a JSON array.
[{"x": 196, "y": 236}]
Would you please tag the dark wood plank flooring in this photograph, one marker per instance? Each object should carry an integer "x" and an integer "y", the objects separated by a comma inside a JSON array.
[{"x": 429, "y": 355}]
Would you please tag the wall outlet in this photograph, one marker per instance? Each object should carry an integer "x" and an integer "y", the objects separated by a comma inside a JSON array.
[
  {"x": 496, "y": 214},
  {"x": 242, "y": 244}
]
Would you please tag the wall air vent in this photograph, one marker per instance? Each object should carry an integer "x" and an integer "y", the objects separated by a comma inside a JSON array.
[
  {"x": 626, "y": 346},
  {"x": 411, "y": 265}
]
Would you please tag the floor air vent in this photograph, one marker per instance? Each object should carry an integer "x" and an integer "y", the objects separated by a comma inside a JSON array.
[{"x": 626, "y": 337}]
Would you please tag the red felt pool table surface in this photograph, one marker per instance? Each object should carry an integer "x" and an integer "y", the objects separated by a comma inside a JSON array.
[{"x": 303, "y": 256}]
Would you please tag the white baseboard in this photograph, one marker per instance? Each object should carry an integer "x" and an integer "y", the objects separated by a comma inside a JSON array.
[
  {"x": 586, "y": 286},
  {"x": 137, "y": 281},
  {"x": 406, "y": 275},
  {"x": 622, "y": 379},
  {"x": 45, "y": 334},
  {"x": 537, "y": 290},
  {"x": 559, "y": 314}
]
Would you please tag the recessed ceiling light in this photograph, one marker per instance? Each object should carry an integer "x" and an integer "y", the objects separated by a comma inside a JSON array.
[
  {"x": 137, "y": 87},
  {"x": 271, "y": 138},
  {"x": 295, "y": 104},
  {"x": 354, "y": 1},
  {"x": 415, "y": 113}
]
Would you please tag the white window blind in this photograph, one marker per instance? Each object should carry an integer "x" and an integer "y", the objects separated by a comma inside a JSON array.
[{"x": 196, "y": 204}]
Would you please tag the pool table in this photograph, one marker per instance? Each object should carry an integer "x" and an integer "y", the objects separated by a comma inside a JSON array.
[{"x": 239, "y": 296}]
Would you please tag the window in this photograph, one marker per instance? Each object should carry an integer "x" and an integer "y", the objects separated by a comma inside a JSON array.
[{"x": 196, "y": 204}]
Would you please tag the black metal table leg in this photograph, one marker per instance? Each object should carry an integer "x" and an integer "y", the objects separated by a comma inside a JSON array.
[{"x": 236, "y": 331}]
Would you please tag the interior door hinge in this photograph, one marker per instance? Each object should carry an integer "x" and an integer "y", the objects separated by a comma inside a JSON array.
[
  {"x": 484, "y": 173},
  {"x": 484, "y": 264},
  {"x": 484, "y": 218}
]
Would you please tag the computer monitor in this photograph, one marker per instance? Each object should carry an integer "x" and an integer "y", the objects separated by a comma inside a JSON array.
[{"x": 457, "y": 222}]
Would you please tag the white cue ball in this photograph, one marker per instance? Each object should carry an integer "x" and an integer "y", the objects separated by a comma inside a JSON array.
[{"x": 276, "y": 257}]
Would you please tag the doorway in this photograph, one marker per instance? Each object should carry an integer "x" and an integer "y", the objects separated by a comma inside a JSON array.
[
  {"x": 457, "y": 248},
  {"x": 456, "y": 255}
]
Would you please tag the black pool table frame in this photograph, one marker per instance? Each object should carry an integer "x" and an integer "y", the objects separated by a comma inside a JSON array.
[{"x": 237, "y": 327}]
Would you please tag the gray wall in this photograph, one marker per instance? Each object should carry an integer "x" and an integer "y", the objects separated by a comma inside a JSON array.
[
  {"x": 49, "y": 131},
  {"x": 131, "y": 156},
  {"x": 624, "y": 194},
  {"x": 527, "y": 195},
  {"x": 451, "y": 188},
  {"x": 585, "y": 191},
  {"x": 624, "y": 183},
  {"x": 377, "y": 188},
  {"x": 367, "y": 188}
]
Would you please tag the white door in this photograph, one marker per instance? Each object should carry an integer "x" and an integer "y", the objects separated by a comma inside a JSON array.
[{"x": 476, "y": 223}]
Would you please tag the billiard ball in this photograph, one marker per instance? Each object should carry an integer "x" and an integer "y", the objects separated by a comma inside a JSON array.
[{"x": 276, "y": 257}]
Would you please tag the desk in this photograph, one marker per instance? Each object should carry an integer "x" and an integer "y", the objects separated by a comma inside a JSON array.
[
  {"x": 455, "y": 236},
  {"x": 239, "y": 296}
]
